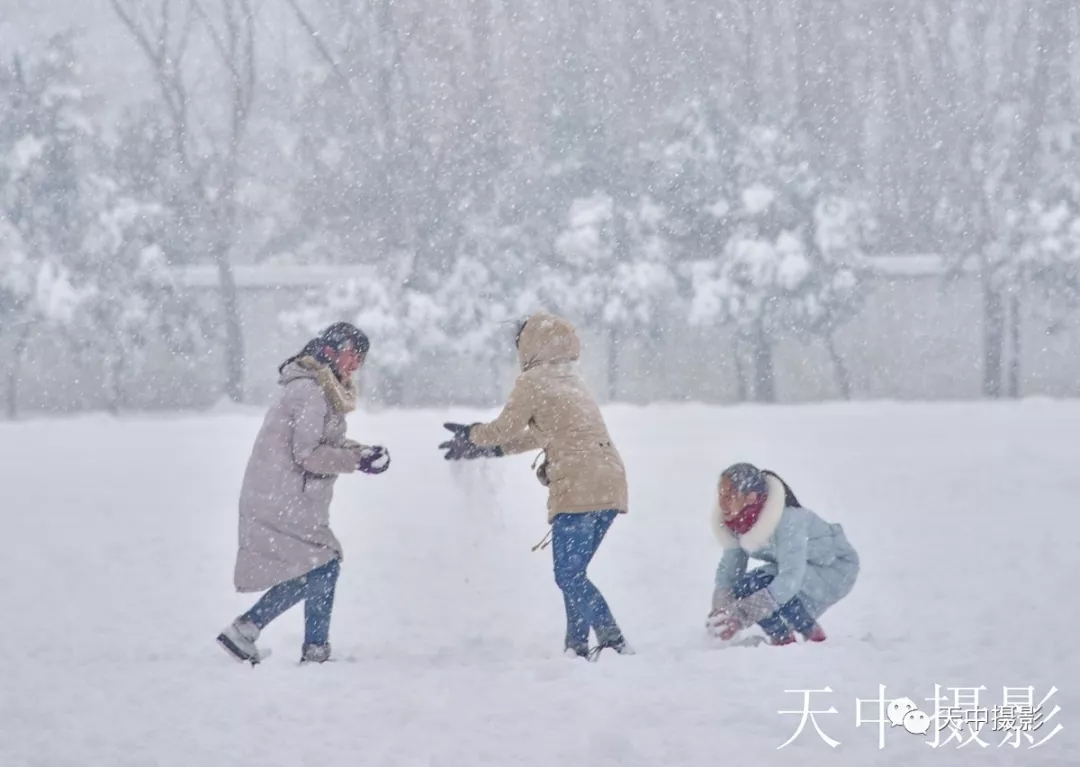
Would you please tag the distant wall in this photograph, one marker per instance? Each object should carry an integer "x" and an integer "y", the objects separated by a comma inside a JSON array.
[{"x": 916, "y": 338}]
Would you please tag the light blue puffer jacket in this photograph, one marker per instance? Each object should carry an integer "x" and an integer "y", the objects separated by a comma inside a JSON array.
[{"x": 810, "y": 558}]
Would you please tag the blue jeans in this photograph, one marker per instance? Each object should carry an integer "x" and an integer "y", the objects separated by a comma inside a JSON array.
[
  {"x": 574, "y": 541},
  {"x": 316, "y": 588},
  {"x": 792, "y": 613}
]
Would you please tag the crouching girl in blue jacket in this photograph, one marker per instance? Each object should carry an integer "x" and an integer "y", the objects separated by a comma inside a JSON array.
[{"x": 809, "y": 563}]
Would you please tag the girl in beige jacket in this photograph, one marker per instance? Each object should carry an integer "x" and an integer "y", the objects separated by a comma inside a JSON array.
[{"x": 551, "y": 409}]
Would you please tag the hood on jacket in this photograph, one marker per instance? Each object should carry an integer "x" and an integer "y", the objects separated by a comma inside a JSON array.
[
  {"x": 547, "y": 339},
  {"x": 342, "y": 396}
]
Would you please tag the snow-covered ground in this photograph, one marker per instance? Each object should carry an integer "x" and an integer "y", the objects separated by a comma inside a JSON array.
[{"x": 118, "y": 541}]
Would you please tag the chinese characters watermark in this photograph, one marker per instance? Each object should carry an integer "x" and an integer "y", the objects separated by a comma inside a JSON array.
[{"x": 957, "y": 715}]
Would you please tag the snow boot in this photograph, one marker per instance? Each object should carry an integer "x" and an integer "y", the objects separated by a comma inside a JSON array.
[
  {"x": 817, "y": 634},
  {"x": 315, "y": 653},
  {"x": 238, "y": 639},
  {"x": 572, "y": 651}
]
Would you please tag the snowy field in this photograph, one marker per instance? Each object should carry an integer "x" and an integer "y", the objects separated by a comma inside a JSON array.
[{"x": 119, "y": 536}]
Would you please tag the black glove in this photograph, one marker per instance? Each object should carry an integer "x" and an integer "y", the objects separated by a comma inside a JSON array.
[
  {"x": 461, "y": 447},
  {"x": 542, "y": 475},
  {"x": 373, "y": 460}
]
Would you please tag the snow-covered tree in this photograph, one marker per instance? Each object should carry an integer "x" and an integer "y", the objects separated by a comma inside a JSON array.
[
  {"x": 642, "y": 291},
  {"x": 401, "y": 322},
  {"x": 128, "y": 300},
  {"x": 576, "y": 281},
  {"x": 483, "y": 294},
  {"x": 792, "y": 259},
  {"x": 1047, "y": 228},
  {"x": 42, "y": 133},
  {"x": 688, "y": 162},
  {"x": 611, "y": 270},
  {"x": 84, "y": 244},
  {"x": 35, "y": 293},
  {"x": 473, "y": 309},
  {"x": 1036, "y": 247},
  {"x": 206, "y": 167}
]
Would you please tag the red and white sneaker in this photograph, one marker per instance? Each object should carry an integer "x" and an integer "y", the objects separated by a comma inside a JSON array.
[
  {"x": 788, "y": 638},
  {"x": 817, "y": 634}
]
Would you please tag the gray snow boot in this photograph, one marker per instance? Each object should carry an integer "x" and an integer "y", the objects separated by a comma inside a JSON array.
[
  {"x": 238, "y": 639},
  {"x": 574, "y": 651},
  {"x": 315, "y": 653}
]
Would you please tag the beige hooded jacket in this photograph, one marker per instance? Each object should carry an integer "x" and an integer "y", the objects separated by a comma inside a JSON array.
[{"x": 551, "y": 409}]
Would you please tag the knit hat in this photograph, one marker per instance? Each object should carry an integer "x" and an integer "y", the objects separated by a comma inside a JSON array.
[
  {"x": 746, "y": 478},
  {"x": 339, "y": 334},
  {"x": 336, "y": 337}
]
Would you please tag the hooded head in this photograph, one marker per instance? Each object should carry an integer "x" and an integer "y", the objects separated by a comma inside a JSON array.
[{"x": 545, "y": 339}]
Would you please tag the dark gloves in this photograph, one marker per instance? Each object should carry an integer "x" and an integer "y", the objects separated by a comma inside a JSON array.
[
  {"x": 373, "y": 460},
  {"x": 461, "y": 447}
]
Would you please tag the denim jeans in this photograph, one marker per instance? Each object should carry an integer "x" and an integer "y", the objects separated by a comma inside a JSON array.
[
  {"x": 574, "y": 541},
  {"x": 792, "y": 613},
  {"x": 316, "y": 588}
]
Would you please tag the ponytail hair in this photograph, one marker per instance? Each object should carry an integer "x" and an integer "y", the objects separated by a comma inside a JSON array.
[{"x": 789, "y": 494}]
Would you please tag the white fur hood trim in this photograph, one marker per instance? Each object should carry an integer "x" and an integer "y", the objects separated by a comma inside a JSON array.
[{"x": 758, "y": 535}]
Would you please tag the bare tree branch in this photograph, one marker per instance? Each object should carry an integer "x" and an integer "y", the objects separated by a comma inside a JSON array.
[
  {"x": 316, "y": 38},
  {"x": 185, "y": 34},
  {"x": 166, "y": 70},
  {"x": 228, "y": 58},
  {"x": 214, "y": 217}
]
